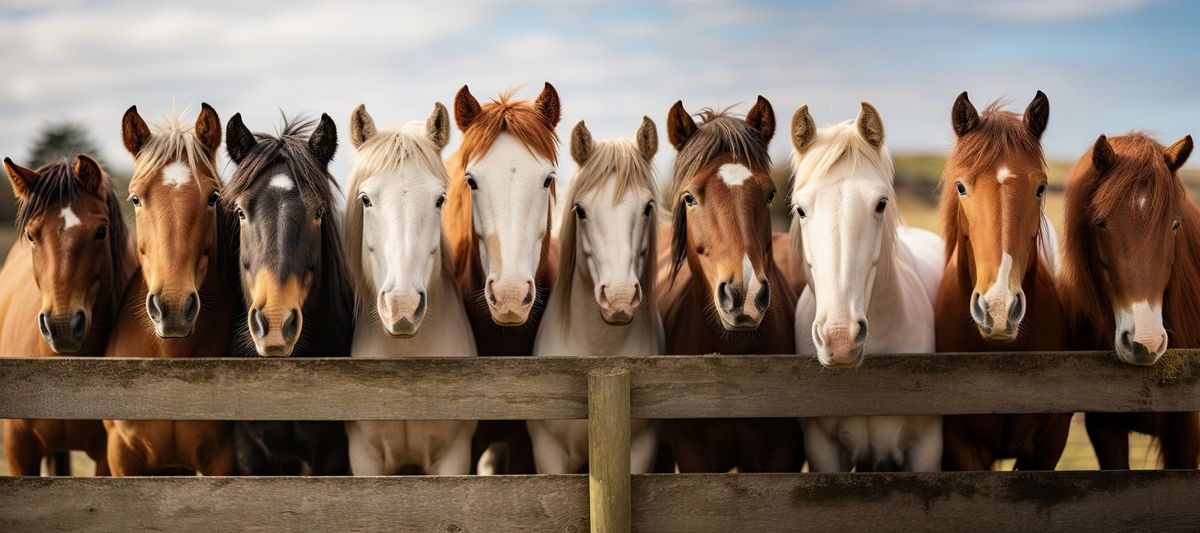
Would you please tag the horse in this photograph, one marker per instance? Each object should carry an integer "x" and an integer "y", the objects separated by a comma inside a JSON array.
[
  {"x": 182, "y": 299},
  {"x": 497, "y": 220},
  {"x": 608, "y": 270},
  {"x": 1125, "y": 203},
  {"x": 997, "y": 291},
  {"x": 74, "y": 247},
  {"x": 724, "y": 291},
  {"x": 867, "y": 273},
  {"x": 407, "y": 302},
  {"x": 292, "y": 265}
]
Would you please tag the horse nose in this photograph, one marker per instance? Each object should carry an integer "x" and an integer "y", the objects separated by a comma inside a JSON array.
[
  {"x": 64, "y": 334},
  {"x": 979, "y": 312},
  {"x": 400, "y": 315},
  {"x": 762, "y": 300},
  {"x": 618, "y": 302},
  {"x": 841, "y": 342},
  {"x": 155, "y": 307},
  {"x": 1140, "y": 349},
  {"x": 510, "y": 299},
  {"x": 728, "y": 296},
  {"x": 1017, "y": 311},
  {"x": 44, "y": 325},
  {"x": 191, "y": 307},
  {"x": 258, "y": 324},
  {"x": 78, "y": 325},
  {"x": 290, "y": 327}
]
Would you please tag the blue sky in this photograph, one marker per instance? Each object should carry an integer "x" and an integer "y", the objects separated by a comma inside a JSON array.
[{"x": 1108, "y": 66}]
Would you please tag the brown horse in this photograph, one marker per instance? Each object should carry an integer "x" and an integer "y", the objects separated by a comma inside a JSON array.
[
  {"x": 497, "y": 219},
  {"x": 1131, "y": 273},
  {"x": 181, "y": 302},
  {"x": 997, "y": 292},
  {"x": 725, "y": 292},
  {"x": 74, "y": 248}
]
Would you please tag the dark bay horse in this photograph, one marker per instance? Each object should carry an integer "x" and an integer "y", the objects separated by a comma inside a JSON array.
[
  {"x": 1131, "y": 274},
  {"x": 60, "y": 290},
  {"x": 497, "y": 219},
  {"x": 997, "y": 292},
  {"x": 725, "y": 292},
  {"x": 183, "y": 298},
  {"x": 292, "y": 267}
]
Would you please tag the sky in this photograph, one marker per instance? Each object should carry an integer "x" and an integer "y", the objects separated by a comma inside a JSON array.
[{"x": 1108, "y": 66}]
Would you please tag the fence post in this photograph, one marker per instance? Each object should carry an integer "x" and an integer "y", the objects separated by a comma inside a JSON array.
[{"x": 608, "y": 450}]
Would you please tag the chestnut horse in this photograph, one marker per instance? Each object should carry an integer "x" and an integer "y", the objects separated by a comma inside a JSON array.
[
  {"x": 1125, "y": 205},
  {"x": 725, "y": 292},
  {"x": 75, "y": 251},
  {"x": 293, "y": 266},
  {"x": 997, "y": 292},
  {"x": 182, "y": 300},
  {"x": 497, "y": 218}
]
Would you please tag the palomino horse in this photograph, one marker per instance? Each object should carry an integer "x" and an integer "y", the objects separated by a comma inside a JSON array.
[
  {"x": 608, "y": 269},
  {"x": 181, "y": 302},
  {"x": 1125, "y": 205},
  {"x": 497, "y": 217},
  {"x": 998, "y": 293},
  {"x": 74, "y": 248},
  {"x": 292, "y": 267},
  {"x": 729, "y": 295},
  {"x": 408, "y": 304},
  {"x": 862, "y": 273}
]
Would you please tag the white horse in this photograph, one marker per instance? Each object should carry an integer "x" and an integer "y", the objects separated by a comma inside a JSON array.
[
  {"x": 863, "y": 269},
  {"x": 603, "y": 302},
  {"x": 408, "y": 303}
]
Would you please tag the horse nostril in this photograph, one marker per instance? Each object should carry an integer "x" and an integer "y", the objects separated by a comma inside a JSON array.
[
  {"x": 258, "y": 324},
  {"x": 528, "y": 294},
  {"x": 78, "y": 324},
  {"x": 291, "y": 325},
  {"x": 491, "y": 293},
  {"x": 1018, "y": 309},
  {"x": 763, "y": 298},
  {"x": 977, "y": 310},
  {"x": 191, "y": 306},
  {"x": 1127, "y": 340},
  {"x": 44, "y": 324},
  {"x": 604, "y": 295},
  {"x": 862, "y": 332},
  {"x": 421, "y": 305},
  {"x": 155, "y": 308},
  {"x": 723, "y": 295}
]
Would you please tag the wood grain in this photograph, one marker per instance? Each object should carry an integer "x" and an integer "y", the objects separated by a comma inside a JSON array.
[
  {"x": 556, "y": 387},
  {"x": 608, "y": 450}
]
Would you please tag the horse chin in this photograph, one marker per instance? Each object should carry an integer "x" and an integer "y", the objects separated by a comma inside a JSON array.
[
  {"x": 174, "y": 331},
  {"x": 740, "y": 322},
  {"x": 1007, "y": 335},
  {"x": 617, "y": 318},
  {"x": 405, "y": 331},
  {"x": 274, "y": 350},
  {"x": 509, "y": 317}
]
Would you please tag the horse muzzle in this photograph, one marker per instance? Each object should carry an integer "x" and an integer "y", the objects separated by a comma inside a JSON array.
[
  {"x": 510, "y": 300},
  {"x": 173, "y": 320},
  {"x": 998, "y": 316},
  {"x": 275, "y": 332},
  {"x": 737, "y": 311},
  {"x": 402, "y": 312},
  {"x": 840, "y": 343},
  {"x": 64, "y": 332},
  {"x": 619, "y": 302}
]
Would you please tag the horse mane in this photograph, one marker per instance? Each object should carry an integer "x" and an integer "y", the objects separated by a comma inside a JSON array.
[
  {"x": 837, "y": 146},
  {"x": 315, "y": 184},
  {"x": 720, "y": 133},
  {"x": 57, "y": 185},
  {"x": 174, "y": 139},
  {"x": 384, "y": 155},
  {"x": 998, "y": 134},
  {"x": 519, "y": 118},
  {"x": 1092, "y": 196},
  {"x": 621, "y": 160}
]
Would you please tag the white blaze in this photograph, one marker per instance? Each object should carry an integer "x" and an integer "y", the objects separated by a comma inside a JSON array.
[
  {"x": 70, "y": 219},
  {"x": 176, "y": 174},
  {"x": 1003, "y": 174},
  {"x": 998, "y": 296},
  {"x": 734, "y": 174},
  {"x": 282, "y": 181}
]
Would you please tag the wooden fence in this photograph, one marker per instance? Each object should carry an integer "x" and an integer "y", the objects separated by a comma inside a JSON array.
[{"x": 606, "y": 391}]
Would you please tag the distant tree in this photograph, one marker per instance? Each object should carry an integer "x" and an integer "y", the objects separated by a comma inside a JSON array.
[{"x": 59, "y": 140}]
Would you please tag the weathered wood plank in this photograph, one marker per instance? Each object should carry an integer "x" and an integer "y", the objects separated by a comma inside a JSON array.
[
  {"x": 608, "y": 450},
  {"x": 969, "y": 501},
  {"x": 556, "y": 387}
]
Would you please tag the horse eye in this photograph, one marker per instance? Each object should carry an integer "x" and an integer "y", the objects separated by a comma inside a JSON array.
[
  {"x": 962, "y": 189},
  {"x": 101, "y": 233},
  {"x": 1175, "y": 226},
  {"x": 549, "y": 180},
  {"x": 1041, "y": 190},
  {"x": 771, "y": 197},
  {"x": 137, "y": 202},
  {"x": 649, "y": 208},
  {"x": 441, "y": 200},
  {"x": 881, "y": 206},
  {"x": 319, "y": 215},
  {"x": 212, "y": 198},
  {"x": 471, "y": 183},
  {"x": 1101, "y": 225},
  {"x": 800, "y": 212},
  {"x": 241, "y": 215},
  {"x": 579, "y": 212},
  {"x": 29, "y": 237},
  {"x": 689, "y": 199},
  {"x": 366, "y": 200}
]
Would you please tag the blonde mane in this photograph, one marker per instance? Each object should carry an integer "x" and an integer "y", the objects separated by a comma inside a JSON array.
[
  {"x": 383, "y": 155},
  {"x": 174, "y": 139},
  {"x": 621, "y": 160}
]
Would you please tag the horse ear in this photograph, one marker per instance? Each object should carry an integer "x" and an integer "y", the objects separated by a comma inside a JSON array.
[
  {"x": 762, "y": 119},
  {"x": 362, "y": 126},
  {"x": 88, "y": 172},
  {"x": 1037, "y": 115},
  {"x": 870, "y": 126},
  {"x": 208, "y": 129},
  {"x": 1103, "y": 156},
  {"x": 22, "y": 179},
  {"x": 804, "y": 129},
  {"x": 134, "y": 131},
  {"x": 437, "y": 126},
  {"x": 466, "y": 108},
  {"x": 1178, "y": 153},
  {"x": 238, "y": 139},
  {"x": 680, "y": 126},
  {"x": 963, "y": 115},
  {"x": 581, "y": 143},
  {"x": 647, "y": 138},
  {"x": 549, "y": 106},
  {"x": 323, "y": 142}
]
